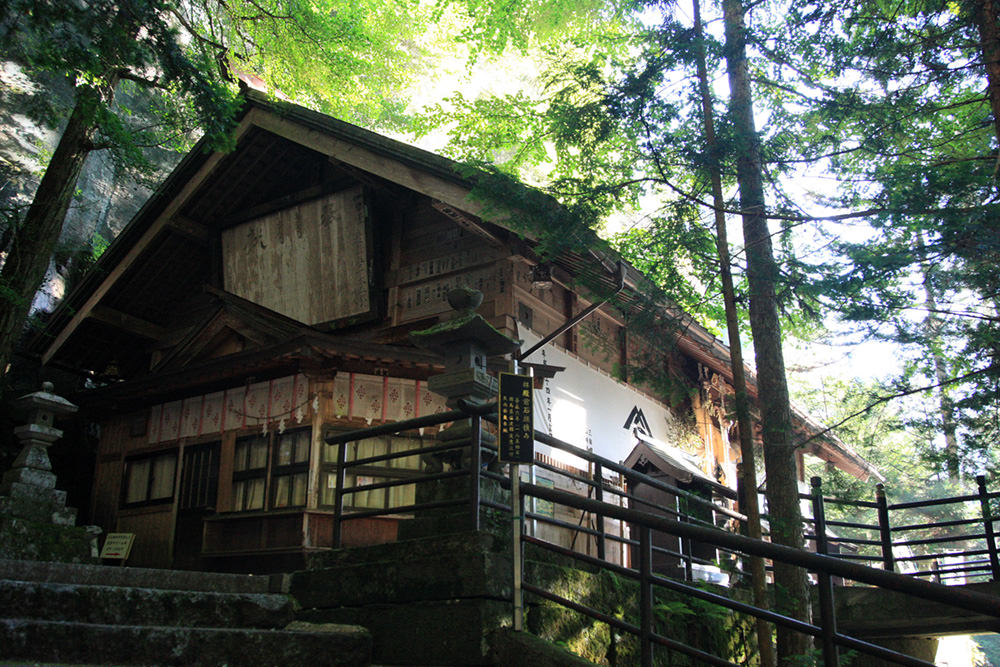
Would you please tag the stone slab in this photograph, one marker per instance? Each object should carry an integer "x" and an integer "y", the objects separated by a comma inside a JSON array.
[
  {"x": 464, "y": 565},
  {"x": 868, "y": 613},
  {"x": 143, "y": 606},
  {"x": 453, "y": 632},
  {"x": 184, "y": 580},
  {"x": 44, "y": 541},
  {"x": 144, "y": 645}
]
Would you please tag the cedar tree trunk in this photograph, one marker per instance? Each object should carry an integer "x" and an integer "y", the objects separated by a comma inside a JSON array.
[
  {"x": 744, "y": 423},
  {"x": 36, "y": 236},
  {"x": 791, "y": 590}
]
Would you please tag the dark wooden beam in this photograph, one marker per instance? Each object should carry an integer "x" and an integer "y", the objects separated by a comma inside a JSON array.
[
  {"x": 129, "y": 323},
  {"x": 190, "y": 229}
]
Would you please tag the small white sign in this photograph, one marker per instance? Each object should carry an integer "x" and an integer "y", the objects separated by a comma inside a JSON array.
[{"x": 118, "y": 545}]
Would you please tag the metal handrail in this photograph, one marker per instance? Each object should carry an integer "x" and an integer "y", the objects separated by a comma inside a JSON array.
[
  {"x": 965, "y": 599},
  {"x": 889, "y": 537},
  {"x": 822, "y": 564},
  {"x": 687, "y": 530},
  {"x": 488, "y": 412}
]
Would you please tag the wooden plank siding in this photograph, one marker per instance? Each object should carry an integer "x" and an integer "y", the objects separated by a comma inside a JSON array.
[
  {"x": 309, "y": 262},
  {"x": 436, "y": 254},
  {"x": 153, "y": 527}
]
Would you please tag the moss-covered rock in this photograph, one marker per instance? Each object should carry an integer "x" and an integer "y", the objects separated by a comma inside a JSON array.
[{"x": 24, "y": 539}]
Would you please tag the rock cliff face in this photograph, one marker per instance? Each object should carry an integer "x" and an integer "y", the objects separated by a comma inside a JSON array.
[{"x": 108, "y": 195}]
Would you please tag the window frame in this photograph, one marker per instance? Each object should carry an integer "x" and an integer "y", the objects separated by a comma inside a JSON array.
[
  {"x": 291, "y": 470},
  {"x": 151, "y": 480},
  {"x": 246, "y": 474},
  {"x": 378, "y": 473}
]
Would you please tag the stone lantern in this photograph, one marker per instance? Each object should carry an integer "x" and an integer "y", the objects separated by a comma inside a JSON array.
[
  {"x": 464, "y": 342},
  {"x": 34, "y": 520},
  {"x": 32, "y": 470}
]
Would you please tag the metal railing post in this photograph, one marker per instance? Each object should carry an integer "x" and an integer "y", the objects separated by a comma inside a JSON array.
[
  {"x": 476, "y": 465},
  {"x": 991, "y": 540},
  {"x": 685, "y": 542},
  {"x": 338, "y": 505},
  {"x": 646, "y": 595},
  {"x": 599, "y": 496},
  {"x": 885, "y": 535},
  {"x": 827, "y": 610},
  {"x": 517, "y": 513}
]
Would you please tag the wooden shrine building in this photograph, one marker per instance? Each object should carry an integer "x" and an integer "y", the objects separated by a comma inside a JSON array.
[{"x": 264, "y": 297}]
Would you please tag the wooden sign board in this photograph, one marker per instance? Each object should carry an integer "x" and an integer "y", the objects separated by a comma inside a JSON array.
[
  {"x": 117, "y": 546},
  {"x": 516, "y": 425}
]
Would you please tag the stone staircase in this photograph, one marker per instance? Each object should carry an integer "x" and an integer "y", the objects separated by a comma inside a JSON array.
[
  {"x": 69, "y": 613},
  {"x": 433, "y": 601}
]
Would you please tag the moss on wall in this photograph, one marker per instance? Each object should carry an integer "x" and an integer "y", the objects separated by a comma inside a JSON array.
[
  {"x": 23, "y": 539},
  {"x": 700, "y": 624}
]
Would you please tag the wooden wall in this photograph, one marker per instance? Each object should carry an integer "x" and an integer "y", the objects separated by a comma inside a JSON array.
[
  {"x": 596, "y": 340},
  {"x": 122, "y": 436},
  {"x": 431, "y": 255},
  {"x": 309, "y": 262}
]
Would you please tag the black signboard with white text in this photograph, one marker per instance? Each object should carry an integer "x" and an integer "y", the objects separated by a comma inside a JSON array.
[{"x": 516, "y": 411}]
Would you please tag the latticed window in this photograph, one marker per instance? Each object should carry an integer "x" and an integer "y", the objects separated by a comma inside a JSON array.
[
  {"x": 273, "y": 466},
  {"x": 150, "y": 478},
  {"x": 200, "y": 477},
  {"x": 291, "y": 468},
  {"x": 404, "y": 467}
]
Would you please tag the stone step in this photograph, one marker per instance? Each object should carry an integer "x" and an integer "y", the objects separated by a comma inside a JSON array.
[
  {"x": 143, "y": 606},
  {"x": 302, "y": 644},
  {"x": 104, "y": 575},
  {"x": 453, "y": 632},
  {"x": 455, "y": 567}
]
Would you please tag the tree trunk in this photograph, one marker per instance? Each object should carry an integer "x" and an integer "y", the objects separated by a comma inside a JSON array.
[
  {"x": 791, "y": 590},
  {"x": 744, "y": 423},
  {"x": 932, "y": 328},
  {"x": 987, "y": 22},
  {"x": 36, "y": 236}
]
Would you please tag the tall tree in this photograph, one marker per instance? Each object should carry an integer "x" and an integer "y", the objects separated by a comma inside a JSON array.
[
  {"x": 742, "y": 398},
  {"x": 340, "y": 56},
  {"x": 762, "y": 275},
  {"x": 899, "y": 102},
  {"x": 894, "y": 99}
]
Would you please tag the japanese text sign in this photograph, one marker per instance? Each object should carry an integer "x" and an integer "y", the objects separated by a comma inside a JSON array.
[{"x": 516, "y": 419}]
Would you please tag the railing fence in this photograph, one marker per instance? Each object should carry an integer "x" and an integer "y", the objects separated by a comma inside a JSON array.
[
  {"x": 456, "y": 470},
  {"x": 898, "y": 542}
]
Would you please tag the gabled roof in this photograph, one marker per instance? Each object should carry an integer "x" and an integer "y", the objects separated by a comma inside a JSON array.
[
  {"x": 228, "y": 316},
  {"x": 283, "y": 149},
  {"x": 275, "y": 346},
  {"x": 670, "y": 460}
]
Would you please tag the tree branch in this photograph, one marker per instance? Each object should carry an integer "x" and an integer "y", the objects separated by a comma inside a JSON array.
[
  {"x": 142, "y": 81},
  {"x": 902, "y": 394}
]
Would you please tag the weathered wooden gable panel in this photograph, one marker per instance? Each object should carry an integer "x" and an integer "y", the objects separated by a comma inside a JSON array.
[
  {"x": 437, "y": 255},
  {"x": 309, "y": 262}
]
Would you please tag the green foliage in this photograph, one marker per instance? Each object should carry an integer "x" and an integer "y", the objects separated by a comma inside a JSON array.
[
  {"x": 706, "y": 626},
  {"x": 678, "y": 254},
  {"x": 883, "y": 436},
  {"x": 885, "y": 98}
]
